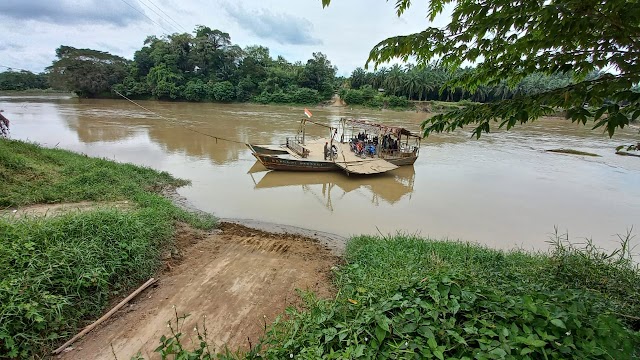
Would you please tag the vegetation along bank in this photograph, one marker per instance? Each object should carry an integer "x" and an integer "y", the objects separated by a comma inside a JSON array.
[
  {"x": 397, "y": 297},
  {"x": 60, "y": 272},
  {"x": 404, "y": 297}
]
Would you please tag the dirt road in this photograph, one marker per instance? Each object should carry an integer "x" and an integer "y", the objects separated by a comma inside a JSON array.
[{"x": 237, "y": 279}]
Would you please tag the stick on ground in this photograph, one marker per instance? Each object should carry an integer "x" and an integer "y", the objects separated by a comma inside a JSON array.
[{"x": 105, "y": 316}]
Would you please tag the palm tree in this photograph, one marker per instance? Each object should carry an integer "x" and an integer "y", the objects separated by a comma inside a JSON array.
[
  {"x": 411, "y": 84},
  {"x": 394, "y": 79},
  {"x": 481, "y": 93},
  {"x": 378, "y": 78},
  {"x": 358, "y": 78}
]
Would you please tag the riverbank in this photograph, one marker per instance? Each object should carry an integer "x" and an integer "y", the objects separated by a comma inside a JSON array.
[
  {"x": 79, "y": 233},
  {"x": 393, "y": 296},
  {"x": 36, "y": 92},
  {"x": 60, "y": 272}
]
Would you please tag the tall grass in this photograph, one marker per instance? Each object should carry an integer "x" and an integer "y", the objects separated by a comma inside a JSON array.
[
  {"x": 59, "y": 272},
  {"x": 405, "y": 297}
]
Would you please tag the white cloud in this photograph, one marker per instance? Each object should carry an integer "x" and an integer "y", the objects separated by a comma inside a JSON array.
[
  {"x": 281, "y": 27},
  {"x": 72, "y": 11},
  {"x": 345, "y": 31}
]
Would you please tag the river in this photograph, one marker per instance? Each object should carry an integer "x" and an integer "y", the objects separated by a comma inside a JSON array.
[{"x": 503, "y": 190}]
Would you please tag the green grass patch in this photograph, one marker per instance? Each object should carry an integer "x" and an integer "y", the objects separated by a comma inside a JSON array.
[
  {"x": 572, "y": 152},
  {"x": 60, "y": 272},
  {"x": 406, "y": 297},
  {"x": 31, "y": 174}
]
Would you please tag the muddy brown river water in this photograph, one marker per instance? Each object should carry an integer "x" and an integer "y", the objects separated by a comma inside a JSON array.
[{"x": 502, "y": 190}]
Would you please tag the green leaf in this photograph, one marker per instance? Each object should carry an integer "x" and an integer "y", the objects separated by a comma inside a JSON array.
[
  {"x": 538, "y": 343},
  {"x": 526, "y": 351},
  {"x": 559, "y": 323},
  {"x": 432, "y": 343},
  {"x": 439, "y": 354}
]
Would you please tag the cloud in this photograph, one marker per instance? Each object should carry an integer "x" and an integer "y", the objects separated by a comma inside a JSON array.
[
  {"x": 281, "y": 27},
  {"x": 68, "y": 12},
  {"x": 10, "y": 46}
]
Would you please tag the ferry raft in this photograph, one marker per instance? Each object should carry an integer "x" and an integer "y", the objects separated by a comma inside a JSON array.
[{"x": 356, "y": 146}]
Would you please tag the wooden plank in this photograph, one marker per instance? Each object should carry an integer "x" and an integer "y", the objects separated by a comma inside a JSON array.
[{"x": 366, "y": 166}]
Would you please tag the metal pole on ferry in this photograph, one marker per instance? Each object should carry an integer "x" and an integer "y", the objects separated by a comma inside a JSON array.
[{"x": 304, "y": 123}]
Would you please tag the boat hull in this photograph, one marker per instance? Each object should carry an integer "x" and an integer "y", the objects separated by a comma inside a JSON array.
[
  {"x": 274, "y": 162},
  {"x": 267, "y": 149},
  {"x": 403, "y": 161}
]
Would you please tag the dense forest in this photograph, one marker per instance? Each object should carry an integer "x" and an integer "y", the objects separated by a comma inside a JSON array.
[{"x": 207, "y": 66}]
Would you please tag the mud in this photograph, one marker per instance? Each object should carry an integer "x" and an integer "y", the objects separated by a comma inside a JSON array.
[
  {"x": 234, "y": 282},
  {"x": 57, "y": 209},
  {"x": 334, "y": 242}
]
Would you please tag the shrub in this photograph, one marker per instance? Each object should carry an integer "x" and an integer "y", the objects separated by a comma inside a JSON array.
[
  {"x": 222, "y": 91},
  {"x": 195, "y": 90},
  {"x": 305, "y": 96},
  {"x": 397, "y": 101},
  {"x": 406, "y": 297}
]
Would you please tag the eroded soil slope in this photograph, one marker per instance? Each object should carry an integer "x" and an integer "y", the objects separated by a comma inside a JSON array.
[{"x": 238, "y": 279}]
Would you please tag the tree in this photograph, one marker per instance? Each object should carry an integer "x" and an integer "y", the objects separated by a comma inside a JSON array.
[
  {"x": 508, "y": 40},
  {"x": 394, "y": 80},
  {"x": 164, "y": 83},
  {"x": 223, "y": 91},
  {"x": 318, "y": 74},
  {"x": 358, "y": 78},
  {"x": 22, "y": 80},
  {"x": 86, "y": 72}
]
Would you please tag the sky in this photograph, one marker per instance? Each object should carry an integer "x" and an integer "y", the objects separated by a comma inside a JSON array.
[{"x": 345, "y": 31}]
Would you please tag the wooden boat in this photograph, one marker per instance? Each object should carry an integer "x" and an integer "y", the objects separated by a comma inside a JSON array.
[
  {"x": 377, "y": 148},
  {"x": 268, "y": 149}
]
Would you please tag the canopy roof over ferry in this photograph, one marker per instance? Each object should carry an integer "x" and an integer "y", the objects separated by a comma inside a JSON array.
[{"x": 376, "y": 128}]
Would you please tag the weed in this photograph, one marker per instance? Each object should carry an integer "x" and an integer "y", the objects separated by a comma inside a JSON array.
[
  {"x": 405, "y": 297},
  {"x": 410, "y": 298},
  {"x": 59, "y": 272}
]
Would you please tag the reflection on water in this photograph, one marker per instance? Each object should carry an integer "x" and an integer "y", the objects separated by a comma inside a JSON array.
[
  {"x": 389, "y": 187},
  {"x": 502, "y": 190}
]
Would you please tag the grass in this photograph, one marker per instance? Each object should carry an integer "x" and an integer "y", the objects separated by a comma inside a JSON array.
[
  {"x": 405, "y": 297},
  {"x": 572, "y": 152},
  {"x": 31, "y": 174},
  {"x": 59, "y": 272}
]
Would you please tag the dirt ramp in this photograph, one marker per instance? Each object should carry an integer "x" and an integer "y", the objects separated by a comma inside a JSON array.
[{"x": 237, "y": 279}]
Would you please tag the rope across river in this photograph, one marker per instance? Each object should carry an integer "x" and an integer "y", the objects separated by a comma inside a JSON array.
[
  {"x": 178, "y": 122},
  {"x": 346, "y": 163}
]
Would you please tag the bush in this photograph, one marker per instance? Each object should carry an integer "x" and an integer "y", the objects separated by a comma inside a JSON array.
[
  {"x": 353, "y": 97},
  {"x": 222, "y": 91},
  {"x": 377, "y": 101},
  {"x": 132, "y": 88},
  {"x": 305, "y": 96},
  {"x": 292, "y": 95},
  {"x": 195, "y": 90},
  {"x": 246, "y": 87},
  {"x": 166, "y": 90},
  {"x": 397, "y": 101},
  {"x": 364, "y": 96}
]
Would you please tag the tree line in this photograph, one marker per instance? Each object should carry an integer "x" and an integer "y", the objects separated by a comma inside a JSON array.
[
  {"x": 433, "y": 82},
  {"x": 207, "y": 66}
]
